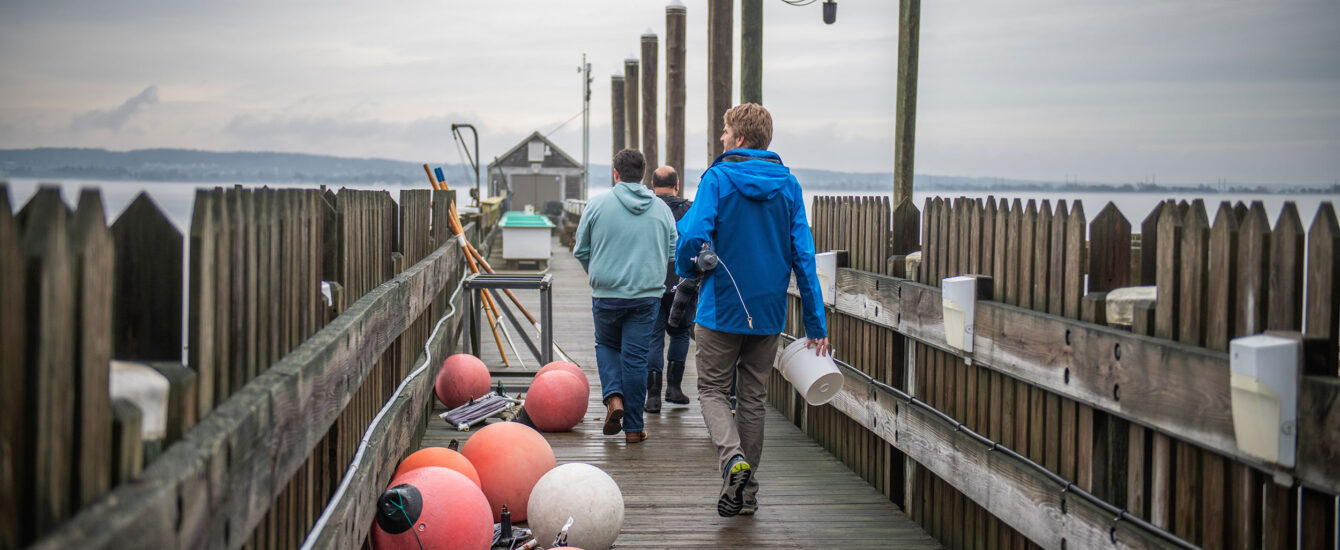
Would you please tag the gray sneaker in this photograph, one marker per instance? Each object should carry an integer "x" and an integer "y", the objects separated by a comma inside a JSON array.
[{"x": 733, "y": 482}]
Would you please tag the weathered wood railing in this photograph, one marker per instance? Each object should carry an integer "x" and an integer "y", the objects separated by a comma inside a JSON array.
[
  {"x": 275, "y": 396},
  {"x": 1138, "y": 417}
]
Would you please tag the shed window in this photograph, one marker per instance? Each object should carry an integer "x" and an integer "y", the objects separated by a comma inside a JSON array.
[{"x": 535, "y": 151}]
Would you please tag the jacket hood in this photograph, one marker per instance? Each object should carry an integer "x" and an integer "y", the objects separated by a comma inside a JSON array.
[
  {"x": 634, "y": 196},
  {"x": 757, "y": 173}
]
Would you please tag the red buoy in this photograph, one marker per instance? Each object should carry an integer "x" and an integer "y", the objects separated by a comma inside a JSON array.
[
  {"x": 510, "y": 457},
  {"x": 438, "y": 456},
  {"x": 556, "y": 401},
  {"x": 432, "y": 507},
  {"x": 463, "y": 377},
  {"x": 566, "y": 366}
]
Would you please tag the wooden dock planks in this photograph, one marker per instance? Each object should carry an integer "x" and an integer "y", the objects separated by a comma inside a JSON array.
[{"x": 808, "y": 498}]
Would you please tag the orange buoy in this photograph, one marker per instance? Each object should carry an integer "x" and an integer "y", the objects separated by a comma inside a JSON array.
[
  {"x": 556, "y": 401},
  {"x": 568, "y": 367},
  {"x": 463, "y": 377},
  {"x": 510, "y": 457},
  {"x": 432, "y": 507},
  {"x": 438, "y": 456}
]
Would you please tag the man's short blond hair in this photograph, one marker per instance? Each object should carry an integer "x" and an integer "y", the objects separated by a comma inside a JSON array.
[{"x": 751, "y": 122}]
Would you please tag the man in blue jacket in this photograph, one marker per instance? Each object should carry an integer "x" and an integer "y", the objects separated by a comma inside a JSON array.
[
  {"x": 623, "y": 241},
  {"x": 750, "y": 210}
]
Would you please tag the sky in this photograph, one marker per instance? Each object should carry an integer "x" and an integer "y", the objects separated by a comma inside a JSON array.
[{"x": 1181, "y": 91}]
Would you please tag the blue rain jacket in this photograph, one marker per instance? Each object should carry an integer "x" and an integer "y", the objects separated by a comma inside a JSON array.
[{"x": 750, "y": 208}]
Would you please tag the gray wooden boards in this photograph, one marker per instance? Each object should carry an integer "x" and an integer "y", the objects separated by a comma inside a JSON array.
[{"x": 217, "y": 484}]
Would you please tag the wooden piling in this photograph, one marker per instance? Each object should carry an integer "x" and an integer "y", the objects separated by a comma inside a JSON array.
[
  {"x": 905, "y": 118},
  {"x": 630, "y": 105},
  {"x": 675, "y": 88},
  {"x": 720, "y": 14},
  {"x": 751, "y": 51},
  {"x": 649, "y": 105},
  {"x": 617, "y": 120}
]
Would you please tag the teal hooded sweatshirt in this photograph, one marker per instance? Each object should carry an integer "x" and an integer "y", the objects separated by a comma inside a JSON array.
[{"x": 624, "y": 240}]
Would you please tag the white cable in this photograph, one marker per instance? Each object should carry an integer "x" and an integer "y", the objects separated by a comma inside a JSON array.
[
  {"x": 747, "y": 317},
  {"x": 367, "y": 436}
]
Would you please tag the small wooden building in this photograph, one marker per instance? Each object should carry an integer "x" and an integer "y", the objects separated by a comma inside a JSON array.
[{"x": 538, "y": 173}]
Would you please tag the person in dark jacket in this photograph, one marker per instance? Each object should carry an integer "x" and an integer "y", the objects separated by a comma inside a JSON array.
[
  {"x": 662, "y": 361},
  {"x": 750, "y": 210}
]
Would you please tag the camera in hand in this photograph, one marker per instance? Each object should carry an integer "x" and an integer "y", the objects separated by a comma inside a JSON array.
[{"x": 685, "y": 303}]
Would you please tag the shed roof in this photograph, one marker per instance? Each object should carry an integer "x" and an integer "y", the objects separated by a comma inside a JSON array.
[{"x": 516, "y": 156}]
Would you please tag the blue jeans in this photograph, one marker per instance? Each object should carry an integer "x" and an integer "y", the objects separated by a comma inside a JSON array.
[
  {"x": 623, "y": 335},
  {"x": 679, "y": 338}
]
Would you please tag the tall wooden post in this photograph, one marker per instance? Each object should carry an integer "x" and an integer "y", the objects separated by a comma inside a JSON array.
[
  {"x": 751, "y": 51},
  {"x": 649, "y": 104},
  {"x": 675, "y": 88},
  {"x": 630, "y": 102},
  {"x": 905, "y": 121},
  {"x": 719, "y": 56},
  {"x": 617, "y": 121}
]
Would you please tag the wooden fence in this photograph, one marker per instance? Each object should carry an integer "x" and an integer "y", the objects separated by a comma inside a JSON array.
[
  {"x": 279, "y": 384},
  {"x": 1137, "y": 416}
]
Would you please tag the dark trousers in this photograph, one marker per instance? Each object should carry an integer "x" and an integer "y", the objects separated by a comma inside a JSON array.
[
  {"x": 623, "y": 335},
  {"x": 679, "y": 338}
]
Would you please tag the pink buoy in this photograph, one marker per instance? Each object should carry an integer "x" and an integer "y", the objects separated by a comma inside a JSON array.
[
  {"x": 568, "y": 367},
  {"x": 510, "y": 457},
  {"x": 438, "y": 456},
  {"x": 463, "y": 377},
  {"x": 556, "y": 401},
  {"x": 432, "y": 507}
]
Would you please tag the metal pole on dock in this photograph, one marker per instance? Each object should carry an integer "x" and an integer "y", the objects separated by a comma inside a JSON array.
[
  {"x": 720, "y": 14},
  {"x": 586, "y": 125},
  {"x": 751, "y": 51},
  {"x": 905, "y": 121},
  {"x": 675, "y": 88},
  {"x": 649, "y": 127},
  {"x": 617, "y": 122},
  {"x": 630, "y": 101}
]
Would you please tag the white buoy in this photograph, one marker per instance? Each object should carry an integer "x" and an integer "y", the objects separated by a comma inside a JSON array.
[{"x": 584, "y": 493}]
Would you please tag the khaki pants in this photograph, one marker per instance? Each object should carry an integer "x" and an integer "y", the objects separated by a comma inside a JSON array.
[{"x": 719, "y": 353}]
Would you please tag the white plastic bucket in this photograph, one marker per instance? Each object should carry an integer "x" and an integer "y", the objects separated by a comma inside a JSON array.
[{"x": 816, "y": 377}]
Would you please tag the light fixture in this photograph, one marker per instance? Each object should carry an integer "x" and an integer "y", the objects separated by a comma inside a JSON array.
[{"x": 830, "y": 11}]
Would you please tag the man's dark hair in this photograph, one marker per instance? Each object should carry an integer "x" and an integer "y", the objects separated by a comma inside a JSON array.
[
  {"x": 629, "y": 164},
  {"x": 664, "y": 182}
]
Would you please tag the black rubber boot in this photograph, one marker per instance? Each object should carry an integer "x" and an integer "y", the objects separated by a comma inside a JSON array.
[
  {"x": 653, "y": 392},
  {"x": 674, "y": 375}
]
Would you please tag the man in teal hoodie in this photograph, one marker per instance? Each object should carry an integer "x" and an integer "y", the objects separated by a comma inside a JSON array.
[
  {"x": 623, "y": 241},
  {"x": 750, "y": 209}
]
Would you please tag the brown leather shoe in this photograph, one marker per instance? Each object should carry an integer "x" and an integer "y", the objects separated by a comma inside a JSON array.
[
  {"x": 635, "y": 437},
  {"x": 613, "y": 415}
]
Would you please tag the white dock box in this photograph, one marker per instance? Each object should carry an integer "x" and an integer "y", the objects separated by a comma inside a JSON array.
[{"x": 525, "y": 236}]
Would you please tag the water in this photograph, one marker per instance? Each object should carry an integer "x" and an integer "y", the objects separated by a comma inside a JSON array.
[{"x": 175, "y": 199}]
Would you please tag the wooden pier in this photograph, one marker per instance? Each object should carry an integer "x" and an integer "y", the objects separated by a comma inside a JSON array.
[
  {"x": 1068, "y": 426},
  {"x": 807, "y": 498}
]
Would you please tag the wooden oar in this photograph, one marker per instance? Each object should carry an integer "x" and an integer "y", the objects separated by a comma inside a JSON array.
[{"x": 454, "y": 222}]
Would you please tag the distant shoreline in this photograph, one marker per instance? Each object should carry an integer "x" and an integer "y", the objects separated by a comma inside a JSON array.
[{"x": 192, "y": 166}]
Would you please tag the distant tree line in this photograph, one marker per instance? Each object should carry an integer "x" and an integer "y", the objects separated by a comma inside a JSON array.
[{"x": 185, "y": 165}]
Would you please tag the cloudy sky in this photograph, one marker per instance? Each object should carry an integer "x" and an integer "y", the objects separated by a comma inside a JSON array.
[{"x": 1095, "y": 90}]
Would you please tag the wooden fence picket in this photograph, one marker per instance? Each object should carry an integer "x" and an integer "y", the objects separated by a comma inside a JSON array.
[{"x": 15, "y": 514}]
